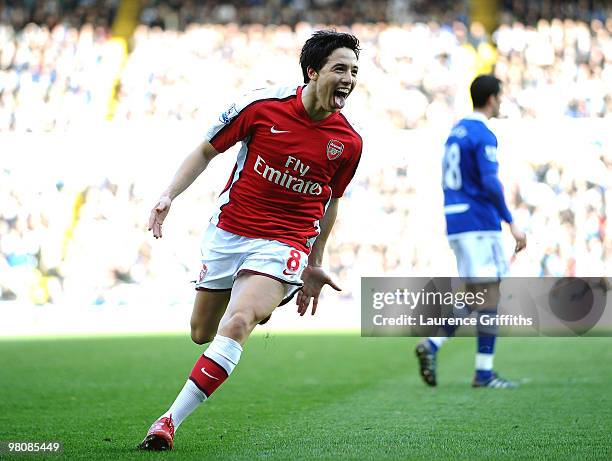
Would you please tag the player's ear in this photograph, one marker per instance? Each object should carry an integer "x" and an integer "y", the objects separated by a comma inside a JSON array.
[{"x": 312, "y": 74}]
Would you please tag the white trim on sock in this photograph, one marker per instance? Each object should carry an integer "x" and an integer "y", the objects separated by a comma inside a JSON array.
[
  {"x": 225, "y": 352},
  {"x": 185, "y": 403},
  {"x": 484, "y": 362},
  {"x": 438, "y": 340}
]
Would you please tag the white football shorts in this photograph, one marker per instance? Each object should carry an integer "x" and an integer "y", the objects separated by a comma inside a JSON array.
[
  {"x": 479, "y": 255},
  {"x": 225, "y": 256}
]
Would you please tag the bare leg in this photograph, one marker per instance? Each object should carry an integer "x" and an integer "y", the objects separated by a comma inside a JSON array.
[{"x": 208, "y": 308}]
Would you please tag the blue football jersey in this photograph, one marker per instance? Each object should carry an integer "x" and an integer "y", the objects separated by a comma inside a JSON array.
[{"x": 473, "y": 196}]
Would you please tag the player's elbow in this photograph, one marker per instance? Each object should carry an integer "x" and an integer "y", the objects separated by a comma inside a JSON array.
[
  {"x": 207, "y": 151},
  {"x": 492, "y": 185}
]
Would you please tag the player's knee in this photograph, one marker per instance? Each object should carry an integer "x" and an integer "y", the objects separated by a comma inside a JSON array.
[
  {"x": 201, "y": 335},
  {"x": 486, "y": 293},
  {"x": 241, "y": 324}
]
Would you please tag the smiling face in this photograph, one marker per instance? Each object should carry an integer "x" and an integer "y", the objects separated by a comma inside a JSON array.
[{"x": 335, "y": 81}]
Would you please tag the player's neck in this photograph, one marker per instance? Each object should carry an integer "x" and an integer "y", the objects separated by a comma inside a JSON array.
[
  {"x": 312, "y": 106},
  {"x": 484, "y": 111}
]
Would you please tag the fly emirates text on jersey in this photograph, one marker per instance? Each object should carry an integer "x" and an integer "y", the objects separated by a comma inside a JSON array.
[{"x": 286, "y": 179}]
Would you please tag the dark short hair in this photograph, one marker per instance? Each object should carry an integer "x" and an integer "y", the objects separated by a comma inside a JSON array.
[
  {"x": 317, "y": 49},
  {"x": 482, "y": 87}
]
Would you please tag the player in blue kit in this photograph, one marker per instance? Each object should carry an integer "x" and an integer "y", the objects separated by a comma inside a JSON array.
[{"x": 474, "y": 206}]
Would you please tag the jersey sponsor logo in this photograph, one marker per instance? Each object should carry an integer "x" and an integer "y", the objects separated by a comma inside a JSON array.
[
  {"x": 286, "y": 179},
  {"x": 274, "y": 130},
  {"x": 229, "y": 114},
  {"x": 203, "y": 272},
  {"x": 203, "y": 370},
  {"x": 334, "y": 149}
]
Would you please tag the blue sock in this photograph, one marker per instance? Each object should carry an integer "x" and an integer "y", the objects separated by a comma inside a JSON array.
[
  {"x": 449, "y": 330},
  {"x": 485, "y": 347},
  {"x": 432, "y": 345}
]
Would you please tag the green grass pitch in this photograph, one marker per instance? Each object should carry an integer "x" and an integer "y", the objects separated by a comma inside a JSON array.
[{"x": 311, "y": 397}]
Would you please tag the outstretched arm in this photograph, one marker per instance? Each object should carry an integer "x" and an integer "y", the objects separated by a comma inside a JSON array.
[
  {"x": 314, "y": 277},
  {"x": 193, "y": 165}
]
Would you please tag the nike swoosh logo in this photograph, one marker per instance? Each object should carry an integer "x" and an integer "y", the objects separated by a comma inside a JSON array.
[
  {"x": 203, "y": 370},
  {"x": 287, "y": 273},
  {"x": 274, "y": 130}
]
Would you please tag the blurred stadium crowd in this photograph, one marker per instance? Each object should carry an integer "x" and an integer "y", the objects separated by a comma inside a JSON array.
[{"x": 62, "y": 71}]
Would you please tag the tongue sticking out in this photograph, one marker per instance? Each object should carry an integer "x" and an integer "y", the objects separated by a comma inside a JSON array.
[{"x": 339, "y": 101}]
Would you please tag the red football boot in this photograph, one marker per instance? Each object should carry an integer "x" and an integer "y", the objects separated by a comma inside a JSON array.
[{"x": 160, "y": 436}]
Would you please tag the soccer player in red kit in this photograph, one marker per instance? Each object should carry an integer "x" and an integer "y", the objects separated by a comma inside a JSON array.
[{"x": 266, "y": 239}]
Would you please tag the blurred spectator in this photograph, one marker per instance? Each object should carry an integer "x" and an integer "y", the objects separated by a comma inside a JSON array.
[
  {"x": 555, "y": 68},
  {"x": 531, "y": 11},
  {"x": 189, "y": 58},
  {"x": 50, "y": 13},
  {"x": 418, "y": 72},
  {"x": 85, "y": 241},
  {"x": 52, "y": 79}
]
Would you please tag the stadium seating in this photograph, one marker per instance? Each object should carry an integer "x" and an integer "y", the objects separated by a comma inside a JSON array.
[{"x": 58, "y": 71}]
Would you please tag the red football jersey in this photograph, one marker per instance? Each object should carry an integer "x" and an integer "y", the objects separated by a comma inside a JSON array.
[{"x": 287, "y": 170}]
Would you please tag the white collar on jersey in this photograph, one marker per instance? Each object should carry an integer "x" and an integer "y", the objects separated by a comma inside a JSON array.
[{"x": 478, "y": 116}]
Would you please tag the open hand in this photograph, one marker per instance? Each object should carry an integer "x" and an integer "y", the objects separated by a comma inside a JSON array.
[
  {"x": 158, "y": 214},
  {"x": 519, "y": 237},
  {"x": 314, "y": 278}
]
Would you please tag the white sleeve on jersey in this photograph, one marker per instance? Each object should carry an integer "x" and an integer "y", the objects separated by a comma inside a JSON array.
[{"x": 246, "y": 100}]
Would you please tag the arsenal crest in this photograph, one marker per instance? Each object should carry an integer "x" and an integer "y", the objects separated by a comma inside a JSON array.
[
  {"x": 334, "y": 149},
  {"x": 203, "y": 272}
]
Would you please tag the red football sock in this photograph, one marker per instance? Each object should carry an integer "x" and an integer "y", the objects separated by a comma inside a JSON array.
[{"x": 208, "y": 375}]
